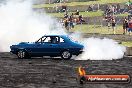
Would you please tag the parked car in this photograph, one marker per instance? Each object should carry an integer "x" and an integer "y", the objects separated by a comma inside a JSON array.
[{"x": 48, "y": 45}]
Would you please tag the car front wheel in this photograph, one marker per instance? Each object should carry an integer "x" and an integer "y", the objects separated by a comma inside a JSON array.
[
  {"x": 66, "y": 55},
  {"x": 22, "y": 54}
]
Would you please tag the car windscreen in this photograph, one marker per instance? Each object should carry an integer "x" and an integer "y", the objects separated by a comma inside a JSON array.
[{"x": 40, "y": 40}]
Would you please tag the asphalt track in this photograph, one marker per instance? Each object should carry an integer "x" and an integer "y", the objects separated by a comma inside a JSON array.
[{"x": 56, "y": 73}]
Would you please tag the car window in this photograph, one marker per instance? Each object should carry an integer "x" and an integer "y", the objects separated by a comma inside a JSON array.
[
  {"x": 61, "y": 40},
  {"x": 46, "y": 40},
  {"x": 54, "y": 39},
  {"x": 51, "y": 39},
  {"x": 40, "y": 40}
]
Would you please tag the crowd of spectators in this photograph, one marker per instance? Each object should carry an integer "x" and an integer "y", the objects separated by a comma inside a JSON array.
[
  {"x": 112, "y": 9},
  {"x": 127, "y": 25},
  {"x": 110, "y": 18},
  {"x": 71, "y": 19}
]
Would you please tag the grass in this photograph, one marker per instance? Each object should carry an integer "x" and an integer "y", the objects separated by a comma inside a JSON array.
[
  {"x": 80, "y": 3},
  {"x": 87, "y": 14},
  {"x": 84, "y": 14},
  {"x": 85, "y": 28},
  {"x": 124, "y": 14},
  {"x": 128, "y": 43}
]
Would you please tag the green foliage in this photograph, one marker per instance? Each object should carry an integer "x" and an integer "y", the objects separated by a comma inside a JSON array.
[
  {"x": 85, "y": 28},
  {"x": 128, "y": 43}
]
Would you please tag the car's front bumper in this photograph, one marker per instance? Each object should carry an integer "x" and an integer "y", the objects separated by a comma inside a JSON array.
[{"x": 13, "y": 51}]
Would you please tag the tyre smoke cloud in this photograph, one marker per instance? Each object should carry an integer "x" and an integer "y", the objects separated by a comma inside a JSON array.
[
  {"x": 101, "y": 49},
  {"x": 18, "y": 22}
]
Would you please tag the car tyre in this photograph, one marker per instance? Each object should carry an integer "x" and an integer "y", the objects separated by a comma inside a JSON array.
[
  {"x": 22, "y": 54},
  {"x": 66, "y": 55}
]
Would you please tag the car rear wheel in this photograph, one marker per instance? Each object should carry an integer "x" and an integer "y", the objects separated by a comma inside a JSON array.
[
  {"x": 22, "y": 54},
  {"x": 66, "y": 55}
]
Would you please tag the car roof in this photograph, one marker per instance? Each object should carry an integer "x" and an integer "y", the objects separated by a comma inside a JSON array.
[
  {"x": 55, "y": 35},
  {"x": 62, "y": 36}
]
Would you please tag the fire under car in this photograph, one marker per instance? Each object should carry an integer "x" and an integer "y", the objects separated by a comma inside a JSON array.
[{"x": 48, "y": 45}]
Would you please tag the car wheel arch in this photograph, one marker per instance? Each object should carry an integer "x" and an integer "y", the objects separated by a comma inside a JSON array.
[
  {"x": 22, "y": 49},
  {"x": 26, "y": 52},
  {"x": 65, "y": 51}
]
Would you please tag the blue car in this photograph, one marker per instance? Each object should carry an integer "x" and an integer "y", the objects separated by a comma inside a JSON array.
[{"x": 48, "y": 45}]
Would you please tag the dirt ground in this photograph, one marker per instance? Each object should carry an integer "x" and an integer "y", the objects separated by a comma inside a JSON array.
[{"x": 55, "y": 73}]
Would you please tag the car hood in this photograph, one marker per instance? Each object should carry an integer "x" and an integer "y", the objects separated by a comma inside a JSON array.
[{"x": 26, "y": 43}]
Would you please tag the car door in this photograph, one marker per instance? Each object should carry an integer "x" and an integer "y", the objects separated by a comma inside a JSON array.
[
  {"x": 45, "y": 47},
  {"x": 39, "y": 48},
  {"x": 49, "y": 46},
  {"x": 52, "y": 46}
]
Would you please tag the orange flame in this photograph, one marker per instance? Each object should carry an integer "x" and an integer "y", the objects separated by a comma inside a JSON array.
[{"x": 81, "y": 71}]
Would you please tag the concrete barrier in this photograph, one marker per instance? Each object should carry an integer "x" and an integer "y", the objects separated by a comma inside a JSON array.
[{"x": 128, "y": 51}]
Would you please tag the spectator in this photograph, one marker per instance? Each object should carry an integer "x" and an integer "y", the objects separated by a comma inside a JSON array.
[
  {"x": 113, "y": 25},
  {"x": 66, "y": 24},
  {"x": 118, "y": 8},
  {"x": 113, "y": 10},
  {"x": 71, "y": 21},
  {"x": 109, "y": 21},
  {"x": 90, "y": 8},
  {"x": 66, "y": 16},
  {"x": 125, "y": 25},
  {"x": 72, "y": 15},
  {"x": 81, "y": 20},
  {"x": 130, "y": 26},
  {"x": 64, "y": 8},
  {"x": 77, "y": 12}
]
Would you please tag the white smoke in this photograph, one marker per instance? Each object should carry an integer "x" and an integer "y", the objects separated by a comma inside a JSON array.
[
  {"x": 101, "y": 49},
  {"x": 18, "y": 22}
]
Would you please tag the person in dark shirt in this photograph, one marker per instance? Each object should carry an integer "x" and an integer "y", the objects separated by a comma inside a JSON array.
[
  {"x": 66, "y": 15},
  {"x": 113, "y": 25},
  {"x": 81, "y": 20},
  {"x": 66, "y": 23},
  {"x": 71, "y": 21},
  {"x": 77, "y": 12},
  {"x": 64, "y": 8},
  {"x": 125, "y": 25}
]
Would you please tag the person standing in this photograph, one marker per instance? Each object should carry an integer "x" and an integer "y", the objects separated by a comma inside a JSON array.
[
  {"x": 130, "y": 26},
  {"x": 125, "y": 25},
  {"x": 113, "y": 25},
  {"x": 77, "y": 12},
  {"x": 66, "y": 24}
]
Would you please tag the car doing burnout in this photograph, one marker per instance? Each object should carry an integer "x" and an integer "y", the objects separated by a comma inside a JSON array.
[{"x": 48, "y": 45}]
